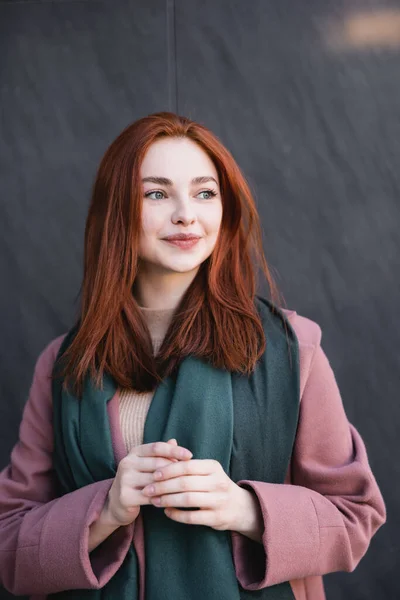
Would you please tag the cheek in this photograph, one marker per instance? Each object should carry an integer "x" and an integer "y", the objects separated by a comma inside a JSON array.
[
  {"x": 151, "y": 222},
  {"x": 213, "y": 219}
]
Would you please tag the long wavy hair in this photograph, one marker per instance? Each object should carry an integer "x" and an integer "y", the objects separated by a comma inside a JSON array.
[{"x": 216, "y": 318}]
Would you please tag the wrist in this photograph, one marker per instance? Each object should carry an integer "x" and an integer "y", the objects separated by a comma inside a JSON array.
[
  {"x": 249, "y": 521},
  {"x": 101, "y": 528},
  {"x": 106, "y": 517}
]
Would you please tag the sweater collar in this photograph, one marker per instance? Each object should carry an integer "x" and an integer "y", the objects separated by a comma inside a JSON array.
[{"x": 158, "y": 320}]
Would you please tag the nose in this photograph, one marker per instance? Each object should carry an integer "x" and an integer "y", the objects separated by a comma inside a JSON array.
[{"x": 184, "y": 213}]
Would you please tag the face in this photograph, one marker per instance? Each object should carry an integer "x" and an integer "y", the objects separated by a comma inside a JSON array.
[{"x": 176, "y": 200}]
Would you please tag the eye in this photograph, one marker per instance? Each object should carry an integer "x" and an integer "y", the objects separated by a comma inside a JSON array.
[
  {"x": 210, "y": 192},
  {"x": 161, "y": 194},
  {"x": 148, "y": 194}
]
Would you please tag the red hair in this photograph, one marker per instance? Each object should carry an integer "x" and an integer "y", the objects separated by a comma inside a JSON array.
[{"x": 216, "y": 318}]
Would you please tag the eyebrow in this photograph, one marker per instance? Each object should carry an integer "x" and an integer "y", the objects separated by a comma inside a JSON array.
[{"x": 168, "y": 182}]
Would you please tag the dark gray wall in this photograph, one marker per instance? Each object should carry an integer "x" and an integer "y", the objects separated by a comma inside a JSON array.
[{"x": 312, "y": 117}]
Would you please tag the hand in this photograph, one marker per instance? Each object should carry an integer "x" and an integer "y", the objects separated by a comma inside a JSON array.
[
  {"x": 134, "y": 472},
  {"x": 204, "y": 484}
]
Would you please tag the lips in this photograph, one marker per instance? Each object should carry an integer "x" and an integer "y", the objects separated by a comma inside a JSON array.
[
  {"x": 182, "y": 238},
  {"x": 185, "y": 243}
]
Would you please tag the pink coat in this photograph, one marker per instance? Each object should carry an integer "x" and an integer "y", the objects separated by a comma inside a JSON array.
[{"x": 319, "y": 521}]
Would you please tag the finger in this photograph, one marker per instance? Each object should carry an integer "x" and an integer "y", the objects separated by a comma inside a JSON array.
[
  {"x": 165, "y": 450},
  {"x": 142, "y": 480},
  {"x": 151, "y": 464},
  {"x": 191, "y": 517},
  {"x": 173, "y": 442},
  {"x": 190, "y": 483},
  {"x": 188, "y": 500},
  {"x": 191, "y": 467}
]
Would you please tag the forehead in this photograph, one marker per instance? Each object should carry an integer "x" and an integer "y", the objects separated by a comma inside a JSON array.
[{"x": 177, "y": 159}]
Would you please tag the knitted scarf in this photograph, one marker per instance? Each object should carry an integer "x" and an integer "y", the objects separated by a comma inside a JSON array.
[{"x": 247, "y": 423}]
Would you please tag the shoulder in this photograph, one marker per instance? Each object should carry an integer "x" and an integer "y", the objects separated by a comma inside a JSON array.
[
  {"x": 309, "y": 335},
  {"x": 35, "y": 427},
  {"x": 47, "y": 357},
  {"x": 307, "y": 331}
]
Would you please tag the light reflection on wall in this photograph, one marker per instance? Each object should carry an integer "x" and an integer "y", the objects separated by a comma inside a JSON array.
[{"x": 378, "y": 29}]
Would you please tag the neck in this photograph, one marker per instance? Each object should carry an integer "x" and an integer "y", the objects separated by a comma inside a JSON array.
[{"x": 162, "y": 291}]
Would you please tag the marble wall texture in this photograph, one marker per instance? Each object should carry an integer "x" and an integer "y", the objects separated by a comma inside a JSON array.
[{"x": 306, "y": 95}]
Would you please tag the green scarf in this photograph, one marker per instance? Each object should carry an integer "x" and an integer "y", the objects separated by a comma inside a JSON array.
[{"x": 247, "y": 423}]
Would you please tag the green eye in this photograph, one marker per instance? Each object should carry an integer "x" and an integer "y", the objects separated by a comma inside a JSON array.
[
  {"x": 210, "y": 192},
  {"x": 161, "y": 194},
  {"x": 148, "y": 194}
]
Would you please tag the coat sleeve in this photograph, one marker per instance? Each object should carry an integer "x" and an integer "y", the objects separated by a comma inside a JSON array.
[
  {"x": 323, "y": 520},
  {"x": 44, "y": 538}
]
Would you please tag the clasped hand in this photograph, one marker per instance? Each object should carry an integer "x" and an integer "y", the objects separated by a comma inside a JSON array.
[
  {"x": 201, "y": 484},
  {"x": 165, "y": 475}
]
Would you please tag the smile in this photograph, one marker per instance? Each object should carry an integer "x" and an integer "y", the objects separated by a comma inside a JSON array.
[{"x": 183, "y": 244}]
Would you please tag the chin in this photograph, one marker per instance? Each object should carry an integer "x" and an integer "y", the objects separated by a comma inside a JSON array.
[
  {"x": 171, "y": 264},
  {"x": 182, "y": 265},
  {"x": 182, "y": 268}
]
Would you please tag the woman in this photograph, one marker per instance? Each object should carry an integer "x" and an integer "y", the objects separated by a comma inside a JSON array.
[{"x": 186, "y": 438}]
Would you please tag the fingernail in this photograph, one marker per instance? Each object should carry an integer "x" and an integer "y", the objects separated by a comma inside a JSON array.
[
  {"x": 157, "y": 475},
  {"x": 150, "y": 490}
]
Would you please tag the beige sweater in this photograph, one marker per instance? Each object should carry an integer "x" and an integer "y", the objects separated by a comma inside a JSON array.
[{"x": 133, "y": 406}]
